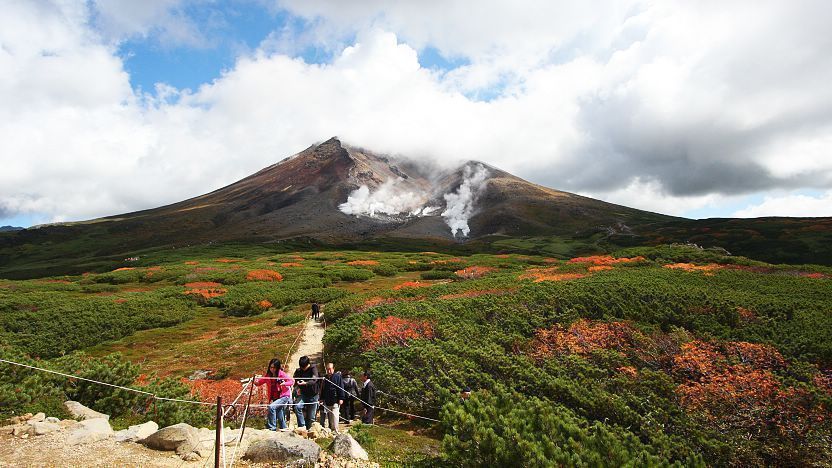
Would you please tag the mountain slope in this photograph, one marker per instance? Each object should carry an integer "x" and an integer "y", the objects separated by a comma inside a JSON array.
[{"x": 332, "y": 193}]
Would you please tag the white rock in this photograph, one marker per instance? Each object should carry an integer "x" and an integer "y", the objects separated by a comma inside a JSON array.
[
  {"x": 81, "y": 412},
  {"x": 345, "y": 446},
  {"x": 90, "y": 430},
  {"x": 43, "y": 427},
  {"x": 37, "y": 418},
  {"x": 52, "y": 419},
  {"x": 137, "y": 432},
  {"x": 182, "y": 438}
]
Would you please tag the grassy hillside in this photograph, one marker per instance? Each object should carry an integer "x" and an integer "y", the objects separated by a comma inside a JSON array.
[{"x": 652, "y": 356}]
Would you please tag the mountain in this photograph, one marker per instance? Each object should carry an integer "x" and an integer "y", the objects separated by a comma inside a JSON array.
[
  {"x": 10, "y": 228},
  {"x": 335, "y": 194}
]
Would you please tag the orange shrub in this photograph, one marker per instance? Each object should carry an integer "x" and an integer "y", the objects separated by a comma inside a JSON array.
[
  {"x": 363, "y": 263},
  {"x": 192, "y": 262},
  {"x": 760, "y": 356},
  {"x": 124, "y": 269},
  {"x": 477, "y": 293},
  {"x": 595, "y": 268},
  {"x": 629, "y": 371},
  {"x": 582, "y": 337},
  {"x": 548, "y": 274},
  {"x": 264, "y": 304},
  {"x": 203, "y": 284},
  {"x": 605, "y": 260},
  {"x": 228, "y": 260},
  {"x": 395, "y": 331},
  {"x": 473, "y": 272},
  {"x": 411, "y": 284},
  {"x": 706, "y": 269},
  {"x": 264, "y": 275},
  {"x": 291, "y": 264}
]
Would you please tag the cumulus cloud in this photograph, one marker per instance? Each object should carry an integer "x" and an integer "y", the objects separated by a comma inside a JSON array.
[
  {"x": 656, "y": 104},
  {"x": 790, "y": 205}
]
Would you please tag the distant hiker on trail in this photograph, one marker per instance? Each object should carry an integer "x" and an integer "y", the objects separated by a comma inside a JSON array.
[
  {"x": 465, "y": 394},
  {"x": 316, "y": 310},
  {"x": 368, "y": 398},
  {"x": 279, "y": 386},
  {"x": 350, "y": 392},
  {"x": 332, "y": 392},
  {"x": 306, "y": 379}
]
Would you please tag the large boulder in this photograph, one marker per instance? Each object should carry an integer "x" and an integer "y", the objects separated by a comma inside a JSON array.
[
  {"x": 82, "y": 413},
  {"x": 345, "y": 446},
  {"x": 137, "y": 432},
  {"x": 90, "y": 430},
  {"x": 182, "y": 438},
  {"x": 43, "y": 427},
  {"x": 37, "y": 418},
  {"x": 284, "y": 450}
]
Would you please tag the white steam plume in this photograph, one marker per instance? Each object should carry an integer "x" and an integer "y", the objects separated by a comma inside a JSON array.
[
  {"x": 388, "y": 200},
  {"x": 459, "y": 206}
]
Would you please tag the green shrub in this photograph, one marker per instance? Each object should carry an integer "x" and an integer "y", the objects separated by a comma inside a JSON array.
[
  {"x": 385, "y": 269},
  {"x": 290, "y": 319},
  {"x": 437, "y": 274}
]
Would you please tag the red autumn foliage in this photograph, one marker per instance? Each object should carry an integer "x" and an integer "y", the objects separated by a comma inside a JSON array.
[
  {"x": 228, "y": 260},
  {"x": 363, "y": 263},
  {"x": 759, "y": 356},
  {"x": 477, "y": 293},
  {"x": 203, "y": 284},
  {"x": 120, "y": 301},
  {"x": 548, "y": 274},
  {"x": 378, "y": 300},
  {"x": 473, "y": 272},
  {"x": 746, "y": 315},
  {"x": 605, "y": 260},
  {"x": 264, "y": 304},
  {"x": 706, "y": 269},
  {"x": 291, "y": 264},
  {"x": 208, "y": 390},
  {"x": 595, "y": 268},
  {"x": 264, "y": 275},
  {"x": 205, "y": 290},
  {"x": 192, "y": 262},
  {"x": 395, "y": 331},
  {"x": 629, "y": 371},
  {"x": 410, "y": 285},
  {"x": 581, "y": 337},
  {"x": 124, "y": 269}
]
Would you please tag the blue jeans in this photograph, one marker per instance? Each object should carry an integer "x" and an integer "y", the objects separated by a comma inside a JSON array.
[
  {"x": 276, "y": 411},
  {"x": 309, "y": 406}
]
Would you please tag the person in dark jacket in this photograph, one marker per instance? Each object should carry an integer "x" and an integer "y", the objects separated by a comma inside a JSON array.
[
  {"x": 368, "y": 397},
  {"x": 316, "y": 310},
  {"x": 332, "y": 393},
  {"x": 350, "y": 393},
  {"x": 306, "y": 402}
]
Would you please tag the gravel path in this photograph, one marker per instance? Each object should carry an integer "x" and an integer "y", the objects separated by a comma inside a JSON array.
[{"x": 311, "y": 344}]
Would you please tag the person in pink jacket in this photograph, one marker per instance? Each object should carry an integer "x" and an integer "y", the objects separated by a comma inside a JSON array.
[{"x": 279, "y": 385}]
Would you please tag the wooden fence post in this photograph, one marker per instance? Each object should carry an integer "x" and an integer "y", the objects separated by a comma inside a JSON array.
[{"x": 218, "y": 438}]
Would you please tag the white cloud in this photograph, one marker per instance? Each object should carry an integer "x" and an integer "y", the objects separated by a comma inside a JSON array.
[
  {"x": 664, "y": 106},
  {"x": 790, "y": 205}
]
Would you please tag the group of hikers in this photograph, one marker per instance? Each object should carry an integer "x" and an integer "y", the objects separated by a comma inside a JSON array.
[{"x": 334, "y": 394}]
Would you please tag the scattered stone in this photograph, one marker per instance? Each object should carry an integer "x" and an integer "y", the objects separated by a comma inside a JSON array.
[
  {"x": 284, "y": 450},
  {"x": 43, "y": 427},
  {"x": 191, "y": 457},
  {"x": 37, "y": 418},
  {"x": 7, "y": 429},
  {"x": 82, "y": 413},
  {"x": 182, "y": 438},
  {"x": 344, "y": 445},
  {"x": 20, "y": 419},
  {"x": 301, "y": 431},
  {"x": 90, "y": 430},
  {"x": 137, "y": 432},
  {"x": 52, "y": 419},
  {"x": 21, "y": 429},
  {"x": 200, "y": 374}
]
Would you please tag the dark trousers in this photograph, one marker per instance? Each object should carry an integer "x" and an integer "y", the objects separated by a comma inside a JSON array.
[
  {"x": 368, "y": 415},
  {"x": 348, "y": 409}
]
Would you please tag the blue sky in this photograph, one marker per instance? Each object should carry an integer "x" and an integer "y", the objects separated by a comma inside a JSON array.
[{"x": 113, "y": 106}]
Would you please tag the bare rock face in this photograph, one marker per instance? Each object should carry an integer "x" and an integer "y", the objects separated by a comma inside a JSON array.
[
  {"x": 182, "y": 438},
  {"x": 81, "y": 412},
  {"x": 90, "y": 430},
  {"x": 43, "y": 427},
  {"x": 284, "y": 450},
  {"x": 345, "y": 446}
]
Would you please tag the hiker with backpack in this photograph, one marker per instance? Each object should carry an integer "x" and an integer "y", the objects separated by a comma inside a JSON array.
[
  {"x": 306, "y": 401},
  {"x": 350, "y": 394}
]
